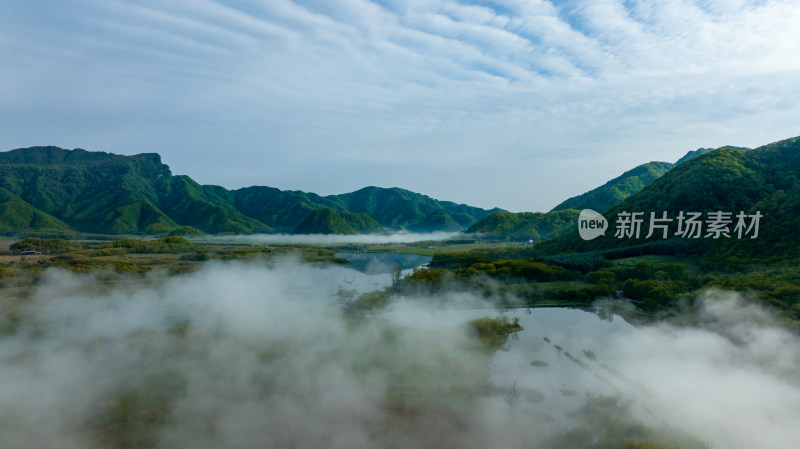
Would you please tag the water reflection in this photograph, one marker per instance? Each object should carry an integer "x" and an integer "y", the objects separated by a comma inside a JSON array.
[
  {"x": 376, "y": 263},
  {"x": 549, "y": 369}
]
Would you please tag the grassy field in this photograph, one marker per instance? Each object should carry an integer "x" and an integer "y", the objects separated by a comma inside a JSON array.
[
  {"x": 121, "y": 261},
  {"x": 6, "y": 259}
]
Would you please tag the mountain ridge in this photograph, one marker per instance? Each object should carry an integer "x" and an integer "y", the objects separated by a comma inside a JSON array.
[
  {"x": 763, "y": 180},
  {"x": 325, "y": 220},
  {"x": 526, "y": 225},
  {"x": 617, "y": 189},
  {"x": 99, "y": 192}
]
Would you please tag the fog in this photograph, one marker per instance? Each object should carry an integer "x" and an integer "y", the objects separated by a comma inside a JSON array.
[
  {"x": 241, "y": 355},
  {"x": 734, "y": 379},
  {"x": 332, "y": 239}
]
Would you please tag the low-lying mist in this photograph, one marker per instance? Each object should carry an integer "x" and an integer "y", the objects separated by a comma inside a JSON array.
[
  {"x": 332, "y": 239},
  {"x": 241, "y": 355}
]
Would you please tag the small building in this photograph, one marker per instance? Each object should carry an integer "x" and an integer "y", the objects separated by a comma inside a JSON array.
[{"x": 31, "y": 253}]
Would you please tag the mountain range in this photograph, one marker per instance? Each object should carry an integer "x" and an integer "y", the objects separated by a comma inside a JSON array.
[
  {"x": 54, "y": 190},
  {"x": 632, "y": 181},
  {"x": 619, "y": 188},
  {"x": 764, "y": 181},
  {"x": 562, "y": 218}
]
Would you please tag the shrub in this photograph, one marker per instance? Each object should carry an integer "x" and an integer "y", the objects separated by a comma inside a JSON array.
[{"x": 47, "y": 246}]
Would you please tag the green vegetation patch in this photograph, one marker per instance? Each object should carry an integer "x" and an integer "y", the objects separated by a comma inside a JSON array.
[
  {"x": 493, "y": 332},
  {"x": 45, "y": 246},
  {"x": 526, "y": 226},
  {"x": 166, "y": 245},
  {"x": 186, "y": 231}
]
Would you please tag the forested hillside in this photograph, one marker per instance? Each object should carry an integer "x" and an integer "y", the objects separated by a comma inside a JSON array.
[{"x": 53, "y": 190}]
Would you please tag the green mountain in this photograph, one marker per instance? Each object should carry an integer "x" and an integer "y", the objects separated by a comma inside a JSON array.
[
  {"x": 525, "y": 226},
  {"x": 392, "y": 208},
  {"x": 90, "y": 191},
  {"x": 699, "y": 151},
  {"x": 53, "y": 189},
  {"x": 208, "y": 208},
  {"x": 328, "y": 221},
  {"x": 765, "y": 180},
  {"x": 280, "y": 209},
  {"x": 619, "y": 188},
  {"x": 106, "y": 193},
  {"x": 400, "y": 208},
  {"x": 615, "y": 191},
  {"x": 18, "y": 216},
  {"x": 437, "y": 221}
]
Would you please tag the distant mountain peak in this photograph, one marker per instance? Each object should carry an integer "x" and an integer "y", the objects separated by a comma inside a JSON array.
[
  {"x": 699, "y": 151},
  {"x": 617, "y": 189},
  {"x": 325, "y": 220},
  {"x": 98, "y": 192}
]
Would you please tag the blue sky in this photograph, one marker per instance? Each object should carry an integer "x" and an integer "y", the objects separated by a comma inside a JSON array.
[{"x": 511, "y": 103}]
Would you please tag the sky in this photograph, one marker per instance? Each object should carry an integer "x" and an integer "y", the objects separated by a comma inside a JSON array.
[{"x": 517, "y": 104}]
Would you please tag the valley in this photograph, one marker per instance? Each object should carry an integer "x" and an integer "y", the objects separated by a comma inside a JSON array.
[{"x": 504, "y": 317}]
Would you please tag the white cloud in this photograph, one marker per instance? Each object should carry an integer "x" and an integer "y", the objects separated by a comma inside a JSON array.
[{"x": 324, "y": 87}]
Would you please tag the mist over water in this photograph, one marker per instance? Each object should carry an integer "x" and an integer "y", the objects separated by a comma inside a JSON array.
[
  {"x": 332, "y": 239},
  {"x": 242, "y": 355}
]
